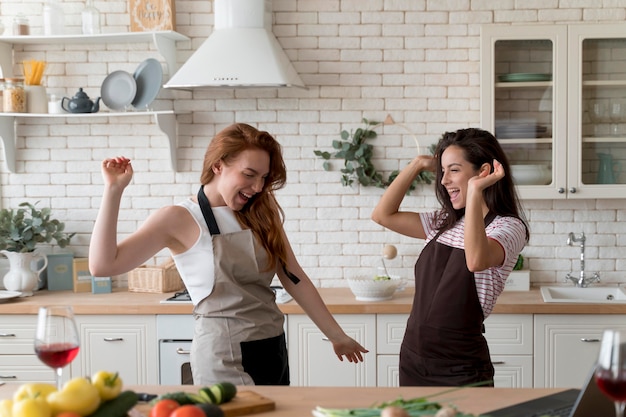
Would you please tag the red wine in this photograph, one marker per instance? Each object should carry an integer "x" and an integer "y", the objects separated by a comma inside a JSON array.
[
  {"x": 613, "y": 388},
  {"x": 57, "y": 355}
]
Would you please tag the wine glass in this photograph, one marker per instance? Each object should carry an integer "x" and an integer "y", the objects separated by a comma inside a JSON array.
[
  {"x": 610, "y": 373},
  {"x": 598, "y": 113},
  {"x": 617, "y": 109},
  {"x": 56, "y": 338}
]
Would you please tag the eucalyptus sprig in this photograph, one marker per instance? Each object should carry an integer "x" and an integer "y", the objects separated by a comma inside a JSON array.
[{"x": 357, "y": 155}]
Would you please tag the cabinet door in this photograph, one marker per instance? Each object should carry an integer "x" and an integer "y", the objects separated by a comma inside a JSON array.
[
  {"x": 567, "y": 346},
  {"x": 524, "y": 103},
  {"x": 313, "y": 362},
  {"x": 597, "y": 110},
  {"x": 387, "y": 367},
  {"x": 513, "y": 371},
  {"x": 124, "y": 344}
]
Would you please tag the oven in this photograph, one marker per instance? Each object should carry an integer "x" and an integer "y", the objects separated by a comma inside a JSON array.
[{"x": 174, "y": 335}]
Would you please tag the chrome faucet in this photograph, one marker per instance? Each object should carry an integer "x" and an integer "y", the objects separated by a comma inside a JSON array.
[{"x": 581, "y": 280}]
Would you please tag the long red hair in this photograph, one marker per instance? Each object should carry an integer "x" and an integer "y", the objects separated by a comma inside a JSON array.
[{"x": 263, "y": 215}]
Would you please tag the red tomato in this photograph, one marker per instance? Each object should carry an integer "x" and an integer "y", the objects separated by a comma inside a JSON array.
[
  {"x": 68, "y": 414},
  {"x": 188, "y": 410},
  {"x": 163, "y": 408}
]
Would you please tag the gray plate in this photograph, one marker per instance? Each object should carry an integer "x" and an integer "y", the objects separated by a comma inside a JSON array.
[{"x": 149, "y": 77}]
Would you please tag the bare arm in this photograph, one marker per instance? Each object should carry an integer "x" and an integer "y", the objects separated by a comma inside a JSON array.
[
  {"x": 309, "y": 299},
  {"x": 480, "y": 251},
  {"x": 387, "y": 214}
]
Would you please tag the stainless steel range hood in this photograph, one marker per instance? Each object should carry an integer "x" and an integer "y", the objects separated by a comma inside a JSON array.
[{"x": 242, "y": 51}]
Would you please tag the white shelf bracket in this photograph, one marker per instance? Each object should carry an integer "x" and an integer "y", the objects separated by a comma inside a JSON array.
[
  {"x": 167, "y": 124},
  {"x": 167, "y": 49},
  {"x": 7, "y": 132}
]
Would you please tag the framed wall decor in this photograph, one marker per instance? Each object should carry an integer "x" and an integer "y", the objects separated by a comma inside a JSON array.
[{"x": 152, "y": 15}]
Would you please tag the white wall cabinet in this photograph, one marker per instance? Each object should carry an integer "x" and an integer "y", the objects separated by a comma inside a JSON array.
[
  {"x": 18, "y": 362},
  {"x": 312, "y": 361},
  {"x": 123, "y": 343},
  {"x": 566, "y": 347},
  {"x": 539, "y": 89},
  {"x": 164, "y": 42}
]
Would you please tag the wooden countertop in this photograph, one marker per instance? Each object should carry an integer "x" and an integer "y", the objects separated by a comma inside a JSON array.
[
  {"x": 338, "y": 300},
  {"x": 299, "y": 401}
]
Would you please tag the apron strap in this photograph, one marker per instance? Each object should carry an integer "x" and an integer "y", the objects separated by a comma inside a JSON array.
[{"x": 207, "y": 213}]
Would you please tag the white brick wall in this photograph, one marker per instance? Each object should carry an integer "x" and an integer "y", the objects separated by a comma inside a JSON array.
[{"x": 416, "y": 60}]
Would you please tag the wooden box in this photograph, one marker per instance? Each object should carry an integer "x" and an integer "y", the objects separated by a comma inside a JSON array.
[
  {"x": 162, "y": 278},
  {"x": 152, "y": 15}
]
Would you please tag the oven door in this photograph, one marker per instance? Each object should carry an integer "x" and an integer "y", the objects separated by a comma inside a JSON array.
[{"x": 175, "y": 368}]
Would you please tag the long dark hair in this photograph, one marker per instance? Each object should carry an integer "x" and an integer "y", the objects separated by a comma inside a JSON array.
[
  {"x": 263, "y": 215},
  {"x": 479, "y": 147}
]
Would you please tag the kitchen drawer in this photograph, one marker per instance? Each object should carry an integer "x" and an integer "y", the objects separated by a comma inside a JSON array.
[
  {"x": 17, "y": 334},
  {"x": 513, "y": 371},
  {"x": 510, "y": 334},
  {"x": 24, "y": 368},
  {"x": 390, "y": 332}
]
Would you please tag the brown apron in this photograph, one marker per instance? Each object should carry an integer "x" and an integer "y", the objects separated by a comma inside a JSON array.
[
  {"x": 239, "y": 335},
  {"x": 444, "y": 344}
]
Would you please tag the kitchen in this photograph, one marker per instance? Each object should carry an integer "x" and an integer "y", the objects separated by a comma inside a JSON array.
[{"x": 418, "y": 61}]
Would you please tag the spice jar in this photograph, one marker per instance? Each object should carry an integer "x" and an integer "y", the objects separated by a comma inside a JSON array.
[
  {"x": 21, "y": 26},
  {"x": 1, "y": 92},
  {"x": 14, "y": 96}
]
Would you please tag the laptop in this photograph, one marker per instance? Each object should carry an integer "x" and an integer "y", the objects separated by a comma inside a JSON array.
[{"x": 587, "y": 402}]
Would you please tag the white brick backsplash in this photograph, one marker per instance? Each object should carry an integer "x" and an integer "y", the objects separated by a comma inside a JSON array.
[{"x": 417, "y": 60}]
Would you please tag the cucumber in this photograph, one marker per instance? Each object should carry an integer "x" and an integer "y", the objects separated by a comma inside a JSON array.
[
  {"x": 118, "y": 406},
  {"x": 229, "y": 391},
  {"x": 211, "y": 410},
  {"x": 180, "y": 397},
  {"x": 206, "y": 392}
]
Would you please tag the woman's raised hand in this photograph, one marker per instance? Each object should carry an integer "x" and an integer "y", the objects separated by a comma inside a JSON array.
[{"x": 117, "y": 171}]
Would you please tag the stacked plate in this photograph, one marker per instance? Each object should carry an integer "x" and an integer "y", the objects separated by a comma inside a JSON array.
[
  {"x": 520, "y": 131},
  {"x": 120, "y": 90},
  {"x": 524, "y": 77}
]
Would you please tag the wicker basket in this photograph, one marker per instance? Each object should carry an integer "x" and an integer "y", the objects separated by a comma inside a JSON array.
[{"x": 161, "y": 278}]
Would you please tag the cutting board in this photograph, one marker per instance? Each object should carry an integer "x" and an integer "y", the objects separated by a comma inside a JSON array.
[{"x": 244, "y": 403}]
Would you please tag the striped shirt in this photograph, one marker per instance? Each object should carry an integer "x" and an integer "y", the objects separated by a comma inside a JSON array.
[{"x": 509, "y": 232}]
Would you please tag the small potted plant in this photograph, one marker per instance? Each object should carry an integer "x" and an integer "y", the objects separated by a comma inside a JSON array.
[{"x": 21, "y": 231}]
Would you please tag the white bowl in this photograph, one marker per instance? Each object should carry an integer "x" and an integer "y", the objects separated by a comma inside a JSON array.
[
  {"x": 369, "y": 289},
  {"x": 536, "y": 174}
]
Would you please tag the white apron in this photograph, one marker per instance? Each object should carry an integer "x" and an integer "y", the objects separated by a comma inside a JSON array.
[{"x": 239, "y": 334}]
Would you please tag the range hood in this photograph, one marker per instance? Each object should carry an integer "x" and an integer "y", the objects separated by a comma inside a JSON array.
[{"x": 242, "y": 51}]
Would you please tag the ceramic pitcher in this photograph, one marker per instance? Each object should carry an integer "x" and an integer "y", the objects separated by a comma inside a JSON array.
[
  {"x": 20, "y": 276},
  {"x": 607, "y": 169}
]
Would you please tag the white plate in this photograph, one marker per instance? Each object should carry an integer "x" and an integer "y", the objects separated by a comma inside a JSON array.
[
  {"x": 7, "y": 295},
  {"x": 118, "y": 90},
  {"x": 149, "y": 77}
]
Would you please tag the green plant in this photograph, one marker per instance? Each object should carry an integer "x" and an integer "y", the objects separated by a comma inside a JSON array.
[
  {"x": 357, "y": 155},
  {"x": 519, "y": 264},
  {"x": 22, "y": 229}
]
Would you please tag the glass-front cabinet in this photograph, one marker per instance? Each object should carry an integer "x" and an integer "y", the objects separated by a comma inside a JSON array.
[{"x": 555, "y": 97}]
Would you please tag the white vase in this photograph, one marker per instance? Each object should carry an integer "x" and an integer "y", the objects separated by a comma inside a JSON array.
[{"x": 20, "y": 276}]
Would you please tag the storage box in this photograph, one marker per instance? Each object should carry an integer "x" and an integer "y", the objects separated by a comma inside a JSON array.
[
  {"x": 82, "y": 276},
  {"x": 152, "y": 15},
  {"x": 100, "y": 285},
  {"x": 162, "y": 278},
  {"x": 518, "y": 281},
  {"x": 59, "y": 271}
]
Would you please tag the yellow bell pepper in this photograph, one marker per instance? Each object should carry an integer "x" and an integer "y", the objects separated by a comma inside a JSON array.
[
  {"x": 6, "y": 408},
  {"x": 109, "y": 384},
  {"x": 78, "y": 395},
  {"x": 31, "y": 407},
  {"x": 33, "y": 390}
]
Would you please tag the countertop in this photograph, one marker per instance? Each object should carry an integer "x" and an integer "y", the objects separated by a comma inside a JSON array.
[
  {"x": 338, "y": 300},
  {"x": 299, "y": 401}
]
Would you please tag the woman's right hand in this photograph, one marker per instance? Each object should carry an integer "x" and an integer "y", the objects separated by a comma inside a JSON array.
[
  {"x": 117, "y": 171},
  {"x": 426, "y": 163}
]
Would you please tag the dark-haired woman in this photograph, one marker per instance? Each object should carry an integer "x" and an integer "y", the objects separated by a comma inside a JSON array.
[
  {"x": 228, "y": 243},
  {"x": 472, "y": 244}
]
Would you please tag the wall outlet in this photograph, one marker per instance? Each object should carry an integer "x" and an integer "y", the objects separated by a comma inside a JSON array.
[{"x": 518, "y": 281}]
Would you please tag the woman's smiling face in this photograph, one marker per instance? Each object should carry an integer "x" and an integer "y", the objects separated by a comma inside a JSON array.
[
  {"x": 241, "y": 178},
  {"x": 456, "y": 173}
]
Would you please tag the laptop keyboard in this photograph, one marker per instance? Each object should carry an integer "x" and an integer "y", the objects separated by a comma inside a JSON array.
[{"x": 557, "y": 412}]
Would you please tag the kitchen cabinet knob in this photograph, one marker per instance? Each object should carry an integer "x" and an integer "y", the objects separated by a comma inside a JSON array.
[
  {"x": 586, "y": 340},
  {"x": 182, "y": 351},
  {"x": 572, "y": 190},
  {"x": 561, "y": 190},
  {"x": 3, "y": 377},
  {"x": 113, "y": 339},
  {"x": 7, "y": 334}
]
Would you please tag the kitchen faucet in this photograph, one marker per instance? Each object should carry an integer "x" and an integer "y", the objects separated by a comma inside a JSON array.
[{"x": 581, "y": 280}]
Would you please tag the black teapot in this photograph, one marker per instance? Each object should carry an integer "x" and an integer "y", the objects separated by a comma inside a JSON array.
[{"x": 80, "y": 103}]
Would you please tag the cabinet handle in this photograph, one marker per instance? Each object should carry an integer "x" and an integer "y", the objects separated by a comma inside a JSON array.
[
  {"x": 325, "y": 339},
  {"x": 498, "y": 363},
  {"x": 7, "y": 334},
  {"x": 561, "y": 190},
  {"x": 572, "y": 190},
  {"x": 182, "y": 351},
  {"x": 113, "y": 339},
  {"x": 586, "y": 340},
  {"x": 8, "y": 377}
]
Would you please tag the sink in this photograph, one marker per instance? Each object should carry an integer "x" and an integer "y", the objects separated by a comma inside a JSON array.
[{"x": 599, "y": 295}]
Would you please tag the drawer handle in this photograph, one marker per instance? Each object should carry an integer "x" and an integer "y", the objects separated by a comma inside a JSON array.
[
  {"x": 498, "y": 363},
  {"x": 325, "y": 339},
  {"x": 586, "y": 340},
  {"x": 7, "y": 334},
  {"x": 113, "y": 339},
  {"x": 8, "y": 377},
  {"x": 182, "y": 351}
]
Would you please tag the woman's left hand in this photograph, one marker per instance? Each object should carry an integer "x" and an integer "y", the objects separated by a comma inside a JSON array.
[
  {"x": 349, "y": 348},
  {"x": 486, "y": 178}
]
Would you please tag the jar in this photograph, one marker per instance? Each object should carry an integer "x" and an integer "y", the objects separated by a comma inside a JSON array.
[
  {"x": 53, "y": 18},
  {"x": 21, "y": 26},
  {"x": 14, "y": 96},
  {"x": 1, "y": 91}
]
